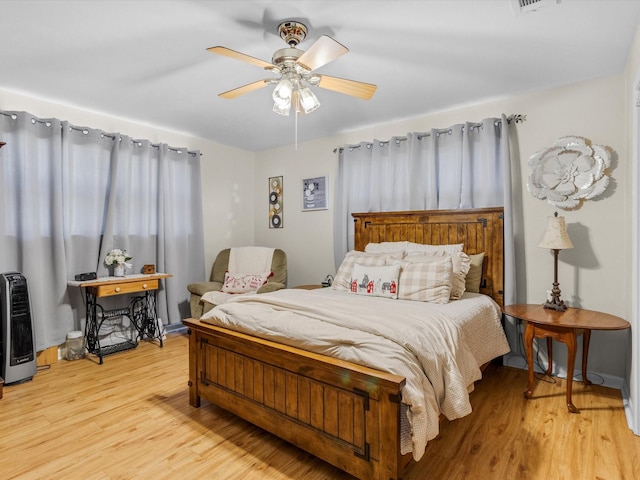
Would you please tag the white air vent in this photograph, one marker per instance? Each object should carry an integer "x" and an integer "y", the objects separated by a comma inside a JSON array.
[{"x": 521, "y": 7}]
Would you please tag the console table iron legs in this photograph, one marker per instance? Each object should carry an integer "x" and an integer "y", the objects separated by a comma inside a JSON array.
[{"x": 141, "y": 312}]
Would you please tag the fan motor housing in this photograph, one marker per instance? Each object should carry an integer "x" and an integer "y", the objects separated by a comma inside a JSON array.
[{"x": 285, "y": 55}]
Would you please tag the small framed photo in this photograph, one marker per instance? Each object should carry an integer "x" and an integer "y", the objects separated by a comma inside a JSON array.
[{"x": 315, "y": 193}]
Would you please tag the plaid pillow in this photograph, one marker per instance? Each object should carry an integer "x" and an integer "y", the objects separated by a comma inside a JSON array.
[
  {"x": 461, "y": 263},
  {"x": 426, "y": 282},
  {"x": 342, "y": 279}
]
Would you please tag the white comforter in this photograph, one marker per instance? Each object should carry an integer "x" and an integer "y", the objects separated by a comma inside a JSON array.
[{"x": 437, "y": 348}]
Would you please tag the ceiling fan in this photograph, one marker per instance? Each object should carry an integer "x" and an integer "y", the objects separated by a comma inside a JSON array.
[{"x": 296, "y": 69}]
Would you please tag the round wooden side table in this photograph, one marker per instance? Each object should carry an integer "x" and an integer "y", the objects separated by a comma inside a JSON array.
[{"x": 564, "y": 327}]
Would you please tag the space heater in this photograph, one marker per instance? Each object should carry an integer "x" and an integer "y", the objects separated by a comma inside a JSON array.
[{"x": 17, "y": 339}]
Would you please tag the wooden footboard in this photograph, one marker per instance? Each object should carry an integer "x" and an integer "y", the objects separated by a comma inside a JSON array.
[{"x": 345, "y": 414}]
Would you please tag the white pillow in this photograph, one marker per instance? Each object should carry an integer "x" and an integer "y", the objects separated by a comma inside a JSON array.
[
  {"x": 342, "y": 279},
  {"x": 431, "y": 249},
  {"x": 412, "y": 247},
  {"x": 461, "y": 264},
  {"x": 381, "y": 281},
  {"x": 426, "y": 282},
  {"x": 244, "y": 282},
  {"x": 383, "y": 247}
]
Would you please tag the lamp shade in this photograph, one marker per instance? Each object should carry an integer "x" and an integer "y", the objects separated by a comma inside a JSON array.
[{"x": 555, "y": 236}]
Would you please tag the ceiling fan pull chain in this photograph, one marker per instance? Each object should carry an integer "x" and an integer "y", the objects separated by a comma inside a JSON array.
[{"x": 296, "y": 129}]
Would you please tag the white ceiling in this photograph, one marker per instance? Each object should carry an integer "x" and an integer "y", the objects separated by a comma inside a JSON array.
[{"x": 146, "y": 60}]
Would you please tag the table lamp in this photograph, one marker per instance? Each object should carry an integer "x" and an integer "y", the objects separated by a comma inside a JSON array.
[{"x": 555, "y": 238}]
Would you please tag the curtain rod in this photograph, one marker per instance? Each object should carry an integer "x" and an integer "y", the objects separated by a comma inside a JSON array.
[
  {"x": 515, "y": 118},
  {"x": 86, "y": 131}
]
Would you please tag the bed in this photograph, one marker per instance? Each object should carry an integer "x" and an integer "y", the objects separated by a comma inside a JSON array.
[{"x": 346, "y": 413}]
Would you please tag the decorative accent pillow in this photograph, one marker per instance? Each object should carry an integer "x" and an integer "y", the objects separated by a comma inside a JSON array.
[
  {"x": 474, "y": 277},
  {"x": 343, "y": 277},
  {"x": 461, "y": 263},
  {"x": 244, "y": 282},
  {"x": 426, "y": 282},
  {"x": 379, "y": 281}
]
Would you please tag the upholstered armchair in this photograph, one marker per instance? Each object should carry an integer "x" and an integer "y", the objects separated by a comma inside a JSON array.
[{"x": 220, "y": 266}]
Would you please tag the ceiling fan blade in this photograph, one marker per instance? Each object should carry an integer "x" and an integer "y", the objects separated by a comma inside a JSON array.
[
  {"x": 250, "y": 87},
  {"x": 227, "y": 52},
  {"x": 323, "y": 51},
  {"x": 348, "y": 87}
]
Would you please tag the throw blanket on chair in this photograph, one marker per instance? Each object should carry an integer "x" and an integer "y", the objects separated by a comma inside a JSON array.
[{"x": 250, "y": 259}]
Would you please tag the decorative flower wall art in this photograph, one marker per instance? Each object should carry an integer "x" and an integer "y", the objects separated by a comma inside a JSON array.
[{"x": 569, "y": 172}]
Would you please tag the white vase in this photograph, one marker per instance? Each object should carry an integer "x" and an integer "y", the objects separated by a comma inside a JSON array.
[{"x": 118, "y": 270}]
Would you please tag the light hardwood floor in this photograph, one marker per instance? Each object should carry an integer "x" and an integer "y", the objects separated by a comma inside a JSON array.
[{"x": 130, "y": 419}]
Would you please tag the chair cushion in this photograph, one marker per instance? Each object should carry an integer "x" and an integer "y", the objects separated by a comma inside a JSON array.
[{"x": 201, "y": 288}]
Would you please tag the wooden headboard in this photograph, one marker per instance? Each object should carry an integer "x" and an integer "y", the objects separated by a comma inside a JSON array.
[{"x": 480, "y": 230}]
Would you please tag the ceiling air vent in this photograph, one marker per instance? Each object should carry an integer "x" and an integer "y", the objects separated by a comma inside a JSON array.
[{"x": 521, "y": 7}]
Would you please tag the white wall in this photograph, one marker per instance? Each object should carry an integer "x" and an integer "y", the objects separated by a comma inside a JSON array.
[
  {"x": 227, "y": 173},
  {"x": 592, "y": 275},
  {"x": 228, "y": 194},
  {"x": 632, "y": 96}
]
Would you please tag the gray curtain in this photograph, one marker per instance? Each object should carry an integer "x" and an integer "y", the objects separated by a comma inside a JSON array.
[
  {"x": 71, "y": 194},
  {"x": 463, "y": 166}
]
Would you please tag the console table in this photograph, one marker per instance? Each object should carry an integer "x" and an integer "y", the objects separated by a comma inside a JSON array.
[
  {"x": 141, "y": 309},
  {"x": 564, "y": 327}
]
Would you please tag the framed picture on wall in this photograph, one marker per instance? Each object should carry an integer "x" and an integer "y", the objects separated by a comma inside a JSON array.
[
  {"x": 315, "y": 193},
  {"x": 275, "y": 202}
]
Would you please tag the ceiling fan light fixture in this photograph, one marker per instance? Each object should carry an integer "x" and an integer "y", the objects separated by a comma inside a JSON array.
[
  {"x": 281, "y": 109},
  {"x": 308, "y": 101},
  {"x": 282, "y": 93}
]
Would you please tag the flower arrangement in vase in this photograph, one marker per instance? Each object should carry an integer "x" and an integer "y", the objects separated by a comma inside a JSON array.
[{"x": 119, "y": 260}]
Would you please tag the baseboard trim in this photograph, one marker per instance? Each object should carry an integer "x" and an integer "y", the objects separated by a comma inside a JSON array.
[{"x": 517, "y": 360}]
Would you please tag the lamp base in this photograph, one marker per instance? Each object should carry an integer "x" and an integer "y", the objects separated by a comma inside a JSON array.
[
  {"x": 561, "y": 307},
  {"x": 555, "y": 302}
]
